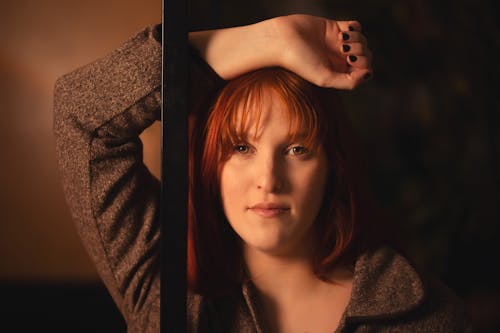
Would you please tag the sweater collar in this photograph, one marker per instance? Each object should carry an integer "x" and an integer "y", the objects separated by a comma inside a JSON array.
[{"x": 385, "y": 286}]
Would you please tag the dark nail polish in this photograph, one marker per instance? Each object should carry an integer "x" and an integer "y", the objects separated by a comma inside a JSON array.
[
  {"x": 353, "y": 58},
  {"x": 345, "y": 36},
  {"x": 351, "y": 28},
  {"x": 367, "y": 76},
  {"x": 346, "y": 48}
]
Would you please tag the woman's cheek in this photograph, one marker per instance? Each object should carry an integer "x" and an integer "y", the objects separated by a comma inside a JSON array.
[{"x": 234, "y": 176}]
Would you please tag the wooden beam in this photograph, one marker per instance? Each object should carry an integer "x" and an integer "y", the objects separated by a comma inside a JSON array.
[{"x": 174, "y": 180}]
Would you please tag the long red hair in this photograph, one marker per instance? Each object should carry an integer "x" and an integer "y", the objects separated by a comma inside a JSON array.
[{"x": 348, "y": 218}]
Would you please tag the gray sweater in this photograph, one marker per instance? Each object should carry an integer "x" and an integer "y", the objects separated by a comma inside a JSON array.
[{"x": 99, "y": 111}]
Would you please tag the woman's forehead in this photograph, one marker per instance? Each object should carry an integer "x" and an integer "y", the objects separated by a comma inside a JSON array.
[
  {"x": 253, "y": 114},
  {"x": 249, "y": 108}
]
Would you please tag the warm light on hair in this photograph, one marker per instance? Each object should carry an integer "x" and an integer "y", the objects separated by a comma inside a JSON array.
[
  {"x": 240, "y": 105},
  {"x": 214, "y": 250}
]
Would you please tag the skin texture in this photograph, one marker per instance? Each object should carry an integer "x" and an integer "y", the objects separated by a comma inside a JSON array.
[{"x": 270, "y": 169}]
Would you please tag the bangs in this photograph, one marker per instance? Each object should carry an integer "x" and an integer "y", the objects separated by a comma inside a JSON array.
[{"x": 244, "y": 102}]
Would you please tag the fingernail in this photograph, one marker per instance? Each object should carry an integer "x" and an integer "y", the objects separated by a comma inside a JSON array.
[
  {"x": 367, "y": 76},
  {"x": 353, "y": 58},
  {"x": 345, "y": 36},
  {"x": 346, "y": 48},
  {"x": 351, "y": 28}
]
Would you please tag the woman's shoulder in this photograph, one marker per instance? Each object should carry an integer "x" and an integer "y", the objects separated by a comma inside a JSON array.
[{"x": 390, "y": 292}]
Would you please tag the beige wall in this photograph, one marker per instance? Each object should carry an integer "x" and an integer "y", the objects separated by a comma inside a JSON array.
[{"x": 38, "y": 43}]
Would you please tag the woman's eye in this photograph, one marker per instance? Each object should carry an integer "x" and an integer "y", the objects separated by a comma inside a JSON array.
[
  {"x": 299, "y": 150},
  {"x": 242, "y": 149}
]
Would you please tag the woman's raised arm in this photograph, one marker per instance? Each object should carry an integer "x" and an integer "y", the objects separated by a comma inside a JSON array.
[
  {"x": 99, "y": 111},
  {"x": 328, "y": 53}
]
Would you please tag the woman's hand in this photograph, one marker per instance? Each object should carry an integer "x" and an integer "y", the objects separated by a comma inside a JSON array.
[{"x": 327, "y": 53}]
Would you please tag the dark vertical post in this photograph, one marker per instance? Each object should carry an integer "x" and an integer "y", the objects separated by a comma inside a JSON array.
[{"x": 174, "y": 167}]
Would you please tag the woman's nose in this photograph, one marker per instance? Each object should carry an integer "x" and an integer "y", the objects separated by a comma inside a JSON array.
[{"x": 270, "y": 174}]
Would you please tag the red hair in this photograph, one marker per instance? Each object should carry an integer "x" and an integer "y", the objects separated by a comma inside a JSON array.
[{"x": 215, "y": 260}]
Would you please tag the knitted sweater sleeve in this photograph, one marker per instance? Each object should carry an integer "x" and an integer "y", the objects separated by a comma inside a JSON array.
[{"x": 99, "y": 111}]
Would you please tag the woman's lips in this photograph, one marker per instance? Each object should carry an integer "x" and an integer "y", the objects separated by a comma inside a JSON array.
[{"x": 269, "y": 210}]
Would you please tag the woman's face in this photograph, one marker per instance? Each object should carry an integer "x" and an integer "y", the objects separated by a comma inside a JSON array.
[{"x": 272, "y": 188}]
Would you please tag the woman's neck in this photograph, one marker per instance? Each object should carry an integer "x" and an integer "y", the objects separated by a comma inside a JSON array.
[
  {"x": 292, "y": 295},
  {"x": 287, "y": 278}
]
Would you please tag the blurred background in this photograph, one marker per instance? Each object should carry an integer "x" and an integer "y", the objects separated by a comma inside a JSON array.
[{"x": 428, "y": 121}]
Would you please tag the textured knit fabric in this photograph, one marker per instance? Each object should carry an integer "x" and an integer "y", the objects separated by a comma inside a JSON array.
[{"x": 99, "y": 111}]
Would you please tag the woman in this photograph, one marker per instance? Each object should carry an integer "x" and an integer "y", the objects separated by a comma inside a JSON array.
[{"x": 282, "y": 232}]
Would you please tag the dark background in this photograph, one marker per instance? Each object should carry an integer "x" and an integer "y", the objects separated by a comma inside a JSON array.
[{"x": 428, "y": 121}]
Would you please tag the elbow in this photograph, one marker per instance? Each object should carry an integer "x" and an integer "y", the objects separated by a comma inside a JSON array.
[
  {"x": 68, "y": 107},
  {"x": 62, "y": 98},
  {"x": 68, "y": 101},
  {"x": 61, "y": 105}
]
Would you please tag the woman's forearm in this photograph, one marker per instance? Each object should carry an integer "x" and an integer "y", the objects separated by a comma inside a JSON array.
[
  {"x": 325, "y": 52},
  {"x": 235, "y": 51}
]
